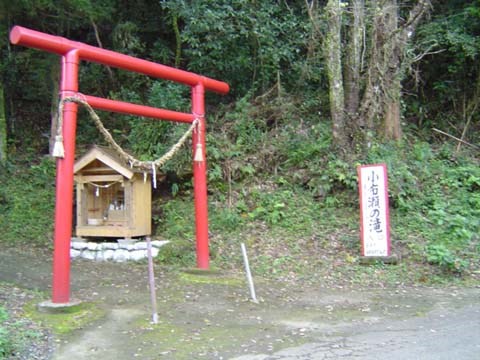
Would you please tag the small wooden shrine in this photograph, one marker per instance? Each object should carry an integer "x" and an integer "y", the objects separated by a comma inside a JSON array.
[{"x": 113, "y": 200}]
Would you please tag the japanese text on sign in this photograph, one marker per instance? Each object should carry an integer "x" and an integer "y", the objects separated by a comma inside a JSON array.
[{"x": 374, "y": 210}]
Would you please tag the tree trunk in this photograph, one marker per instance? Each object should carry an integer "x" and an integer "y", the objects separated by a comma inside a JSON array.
[
  {"x": 178, "y": 40},
  {"x": 55, "y": 76},
  {"x": 3, "y": 127},
  {"x": 470, "y": 110},
  {"x": 366, "y": 97},
  {"x": 369, "y": 106},
  {"x": 333, "y": 58},
  {"x": 391, "y": 120},
  {"x": 380, "y": 105},
  {"x": 353, "y": 58},
  {"x": 397, "y": 62},
  {"x": 392, "y": 51}
]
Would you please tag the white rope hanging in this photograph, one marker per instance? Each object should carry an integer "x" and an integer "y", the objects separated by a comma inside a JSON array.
[
  {"x": 154, "y": 176},
  {"x": 100, "y": 186}
]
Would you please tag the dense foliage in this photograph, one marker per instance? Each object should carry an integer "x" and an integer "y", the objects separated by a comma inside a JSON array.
[
  {"x": 273, "y": 172},
  {"x": 452, "y": 74}
]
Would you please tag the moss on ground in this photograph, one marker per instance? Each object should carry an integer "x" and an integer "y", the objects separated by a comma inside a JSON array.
[
  {"x": 63, "y": 323},
  {"x": 186, "y": 341},
  {"x": 209, "y": 278}
]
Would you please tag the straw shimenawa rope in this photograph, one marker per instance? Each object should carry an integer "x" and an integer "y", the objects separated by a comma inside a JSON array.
[{"x": 142, "y": 165}]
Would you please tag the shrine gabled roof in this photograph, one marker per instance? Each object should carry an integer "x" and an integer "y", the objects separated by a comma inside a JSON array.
[{"x": 108, "y": 157}]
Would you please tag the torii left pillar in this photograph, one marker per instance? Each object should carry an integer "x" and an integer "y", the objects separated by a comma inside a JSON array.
[{"x": 64, "y": 183}]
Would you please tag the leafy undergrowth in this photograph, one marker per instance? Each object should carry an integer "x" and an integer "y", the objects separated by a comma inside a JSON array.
[
  {"x": 302, "y": 231},
  {"x": 325, "y": 252},
  {"x": 27, "y": 198},
  {"x": 276, "y": 185},
  {"x": 27, "y": 333},
  {"x": 300, "y": 222},
  {"x": 20, "y": 336}
]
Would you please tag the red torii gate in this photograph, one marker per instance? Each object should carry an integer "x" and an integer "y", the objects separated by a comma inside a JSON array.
[{"x": 72, "y": 53}]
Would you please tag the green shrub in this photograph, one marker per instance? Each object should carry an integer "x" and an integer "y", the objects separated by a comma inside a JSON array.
[
  {"x": 440, "y": 255},
  {"x": 271, "y": 209},
  {"x": 177, "y": 253},
  {"x": 27, "y": 200},
  {"x": 6, "y": 344},
  {"x": 224, "y": 220},
  {"x": 177, "y": 220}
]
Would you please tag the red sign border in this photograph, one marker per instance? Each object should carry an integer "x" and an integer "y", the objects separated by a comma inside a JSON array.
[{"x": 387, "y": 207}]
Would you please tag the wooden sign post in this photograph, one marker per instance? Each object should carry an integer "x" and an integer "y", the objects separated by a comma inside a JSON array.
[{"x": 374, "y": 215}]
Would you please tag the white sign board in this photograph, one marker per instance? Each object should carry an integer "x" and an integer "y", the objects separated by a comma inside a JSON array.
[{"x": 374, "y": 217}]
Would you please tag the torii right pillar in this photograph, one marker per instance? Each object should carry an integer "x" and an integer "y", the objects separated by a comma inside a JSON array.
[{"x": 200, "y": 177}]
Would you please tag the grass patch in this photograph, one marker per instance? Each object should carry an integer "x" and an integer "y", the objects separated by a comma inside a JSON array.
[
  {"x": 303, "y": 220},
  {"x": 20, "y": 337},
  {"x": 15, "y": 335},
  {"x": 27, "y": 198},
  {"x": 73, "y": 318},
  {"x": 203, "y": 278},
  {"x": 205, "y": 340},
  {"x": 7, "y": 341}
]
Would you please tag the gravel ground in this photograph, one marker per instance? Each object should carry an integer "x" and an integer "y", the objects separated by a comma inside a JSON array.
[
  {"x": 32, "y": 341},
  {"x": 203, "y": 317}
]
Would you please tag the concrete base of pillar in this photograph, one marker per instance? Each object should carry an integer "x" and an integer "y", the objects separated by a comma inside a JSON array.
[{"x": 56, "y": 308}]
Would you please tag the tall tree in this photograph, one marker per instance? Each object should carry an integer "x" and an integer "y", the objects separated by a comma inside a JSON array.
[
  {"x": 388, "y": 61},
  {"x": 448, "y": 95},
  {"x": 333, "y": 55},
  {"x": 3, "y": 112},
  {"x": 38, "y": 71},
  {"x": 366, "y": 61},
  {"x": 3, "y": 127},
  {"x": 353, "y": 56}
]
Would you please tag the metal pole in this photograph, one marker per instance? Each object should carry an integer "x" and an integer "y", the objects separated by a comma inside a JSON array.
[
  {"x": 249, "y": 274},
  {"x": 64, "y": 185},
  {"x": 151, "y": 281},
  {"x": 200, "y": 177}
]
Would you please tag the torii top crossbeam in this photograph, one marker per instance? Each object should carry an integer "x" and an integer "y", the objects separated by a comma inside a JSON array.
[
  {"x": 61, "y": 46},
  {"x": 72, "y": 53}
]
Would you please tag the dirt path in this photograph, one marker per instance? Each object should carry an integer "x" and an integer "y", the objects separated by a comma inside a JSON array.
[
  {"x": 102, "y": 341},
  {"x": 211, "y": 317},
  {"x": 445, "y": 332}
]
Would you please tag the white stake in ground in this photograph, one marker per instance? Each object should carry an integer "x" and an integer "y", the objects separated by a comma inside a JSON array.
[
  {"x": 249, "y": 274},
  {"x": 151, "y": 280}
]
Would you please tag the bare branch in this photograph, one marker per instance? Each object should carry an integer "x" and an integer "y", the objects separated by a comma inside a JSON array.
[
  {"x": 311, "y": 7},
  {"x": 97, "y": 35},
  {"x": 416, "y": 14},
  {"x": 99, "y": 42},
  {"x": 457, "y": 139},
  {"x": 426, "y": 53}
]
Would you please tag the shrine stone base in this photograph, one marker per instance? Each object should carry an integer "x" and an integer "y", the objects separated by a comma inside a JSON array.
[{"x": 119, "y": 251}]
